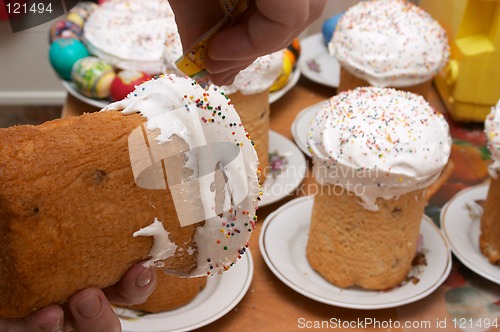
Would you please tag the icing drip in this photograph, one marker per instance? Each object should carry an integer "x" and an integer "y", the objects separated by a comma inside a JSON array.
[{"x": 162, "y": 247}]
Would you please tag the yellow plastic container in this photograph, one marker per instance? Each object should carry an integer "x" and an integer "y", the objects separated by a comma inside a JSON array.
[{"x": 470, "y": 83}]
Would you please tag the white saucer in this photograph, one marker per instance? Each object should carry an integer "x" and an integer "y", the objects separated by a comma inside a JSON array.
[
  {"x": 221, "y": 294},
  {"x": 282, "y": 184},
  {"x": 292, "y": 81},
  {"x": 316, "y": 63},
  {"x": 283, "y": 242},
  {"x": 301, "y": 124},
  {"x": 101, "y": 103},
  {"x": 461, "y": 225}
]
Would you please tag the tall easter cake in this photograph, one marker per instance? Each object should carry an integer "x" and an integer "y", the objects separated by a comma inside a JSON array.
[
  {"x": 375, "y": 151},
  {"x": 389, "y": 43},
  {"x": 250, "y": 94},
  {"x": 490, "y": 222},
  {"x": 133, "y": 34}
]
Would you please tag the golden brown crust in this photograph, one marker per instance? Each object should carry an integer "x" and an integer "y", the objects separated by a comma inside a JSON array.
[
  {"x": 351, "y": 246},
  {"x": 171, "y": 293},
  {"x": 68, "y": 208},
  {"x": 490, "y": 224},
  {"x": 254, "y": 111},
  {"x": 441, "y": 180}
]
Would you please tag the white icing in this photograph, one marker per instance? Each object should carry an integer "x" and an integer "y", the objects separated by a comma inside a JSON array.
[
  {"x": 162, "y": 247},
  {"x": 131, "y": 34},
  {"x": 390, "y": 43},
  {"x": 173, "y": 50},
  {"x": 259, "y": 76},
  {"x": 492, "y": 130},
  {"x": 378, "y": 142},
  {"x": 178, "y": 106}
]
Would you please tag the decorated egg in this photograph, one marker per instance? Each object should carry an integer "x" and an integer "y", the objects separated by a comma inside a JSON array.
[
  {"x": 81, "y": 12},
  {"x": 329, "y": 27},
  {"x": 63, "y": 54},
  {"x": 77, "y": 16},
  {"x": 284, "y": 74},
  {"x": 64, "y": 29},
  {"x": 92, "y": 77},
  {"x": 293, "y": 51},
  {"x": 125, "y": 82}
]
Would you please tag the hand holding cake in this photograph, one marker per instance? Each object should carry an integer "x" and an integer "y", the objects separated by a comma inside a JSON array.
[
  {"x": 135, "y": 287},
  {"x": 269, "y": 25},
  {"x": 171, "y": 180}
]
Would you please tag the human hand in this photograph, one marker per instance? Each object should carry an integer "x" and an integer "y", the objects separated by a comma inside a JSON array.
[
  {"x": 269, "y": 26},
  {"x": 89, "y": 310}
]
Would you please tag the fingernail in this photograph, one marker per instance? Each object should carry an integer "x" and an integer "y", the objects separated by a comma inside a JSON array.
[
  {"x": 56, "y": 326},
  {"x": 89, "y": 306},
  {"x": 144, "y": 278}
]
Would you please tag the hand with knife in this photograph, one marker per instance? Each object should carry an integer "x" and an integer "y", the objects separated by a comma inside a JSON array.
[{"x": 260, "y": 27}]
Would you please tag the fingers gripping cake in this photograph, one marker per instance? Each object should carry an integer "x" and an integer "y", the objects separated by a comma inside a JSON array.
[
  {"x": 82, "y": 199},
  {"x": 375, "y": 151},
  {"x": 389, "y": 43},
  {"x": 490, "y": 222},
  {"x": 250, "y": 95}
]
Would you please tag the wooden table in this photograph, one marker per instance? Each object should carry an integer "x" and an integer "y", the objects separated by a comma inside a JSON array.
[{"x": 269, "y": 304}]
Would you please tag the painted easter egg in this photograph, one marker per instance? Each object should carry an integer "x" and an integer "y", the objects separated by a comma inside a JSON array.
[
  {"x": 63, "y": 54},
  {"x": 293, "y": 50},
  {"x": 64, "y": 29},
  {"x": 284, "y": 74},
  {"x": 81, "y": 12},
  {"x": 125, "y": 82},
  {"x": 329, "y": 27},
  {"x": 92, "y": 77}
]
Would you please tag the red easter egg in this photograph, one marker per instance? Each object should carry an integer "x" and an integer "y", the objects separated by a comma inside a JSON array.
[{"x": 125, "y": 82}]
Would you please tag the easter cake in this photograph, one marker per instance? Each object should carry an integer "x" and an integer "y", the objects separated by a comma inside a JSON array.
[
  {"x": 375, "y": 152},
  {"x": 154, "y": 178},
  {"x": 389, "y": 43},
  {"x": 490, "y": 221}
]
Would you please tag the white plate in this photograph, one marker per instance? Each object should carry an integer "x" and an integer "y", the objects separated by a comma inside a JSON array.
[
  {"x": 316, "y": 63},
  {"x": 282, "y": 184},
  {"x": 461, "y": 225},
  {"x": 221, "y": 294},
  {"x": 101, "y": 103},
  {"x": 292, "y": 81},
  {"x": 301, "y": 124},
  {"x": 283, "y": 242}
]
